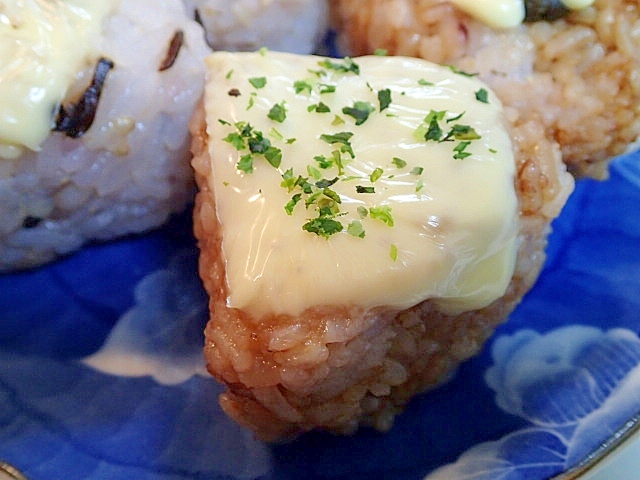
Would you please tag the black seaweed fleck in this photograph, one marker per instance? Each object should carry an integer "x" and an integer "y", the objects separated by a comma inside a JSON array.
[
  {"x": 234, "y": 92},
  {"x": 174, "y": 49},
  {"x": 31, "y": 222},
  {"x": 544, "y": 10},
  {"x": 75, "y": 119}
]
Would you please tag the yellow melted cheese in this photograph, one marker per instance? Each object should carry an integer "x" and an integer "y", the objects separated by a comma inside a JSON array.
[
  {"x": 43, "y": 45},
  {"x": 506, "y": 13},
  {"x": 455, "y": 221}
]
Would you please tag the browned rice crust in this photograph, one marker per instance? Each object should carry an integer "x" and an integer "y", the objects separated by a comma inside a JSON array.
[{"x": 579, "y": 76}]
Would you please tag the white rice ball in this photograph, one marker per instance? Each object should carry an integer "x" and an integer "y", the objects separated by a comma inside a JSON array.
[
  {"x": 130, "y": 170},
  {"x": 295, "y": 26}
]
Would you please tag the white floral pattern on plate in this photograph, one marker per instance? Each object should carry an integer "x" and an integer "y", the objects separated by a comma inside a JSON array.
[{"x": 559, "y": 373}]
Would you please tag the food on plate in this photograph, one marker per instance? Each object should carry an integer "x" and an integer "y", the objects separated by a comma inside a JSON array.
[
  {"x": 296, "y": 26},
  {"x": 364, "y": 224},
  {"x": 94, "y": 142},
  {"x": 575, "y": 71}
]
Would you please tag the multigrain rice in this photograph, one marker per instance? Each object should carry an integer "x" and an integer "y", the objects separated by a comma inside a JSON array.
[{"x": 578, "y": 77}]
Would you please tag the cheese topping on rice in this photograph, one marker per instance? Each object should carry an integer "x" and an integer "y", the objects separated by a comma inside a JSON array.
[
  {"x": 506, "y": 13},
  {"x": 366, "y": 182},
  {"x": 43, "y": 45}
]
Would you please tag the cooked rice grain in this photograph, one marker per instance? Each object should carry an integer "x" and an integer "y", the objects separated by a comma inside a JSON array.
[
  {"x": 338, "y": 368},
  {"x": 579, "y": 76}
]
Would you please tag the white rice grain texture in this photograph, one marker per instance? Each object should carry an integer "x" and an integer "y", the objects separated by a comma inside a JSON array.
[
  {"x": 295, "y": 26},
  {"x": 130, "y": 171}
]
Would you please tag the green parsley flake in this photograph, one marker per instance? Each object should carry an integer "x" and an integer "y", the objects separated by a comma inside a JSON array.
[
  {"x": 360, "y": 111},
  {"x": 398, "y": 162},
  {"x": 301, "y": 86},
  {"x": 482, "y": 95},
  {"x": 393, "y": 252},
  {"x": 455, "y": 69},
  {"x": 356, "y": 229},
  {"x": 258, "y": 82},
  {"x": 460, "y": 150},
  {"x": 323, "y": 226},
  {"x": 291, "y": 204},
  {"x": 380, "y": 52},
  {"x": 340, "y": 138},
  {"x": 278, "y": 112},
  {"x": 325, "y": 88},
  {"x": 319, "y": 108},
  {"x": 361, "y": 189},
  {"x": 384, "y": 98},
  {"x": 245, "y": 164},
  {"x": 346, "y": 66},
  {"x": 382, "y": 213},
  {"x": 425, "y": 83},
  {"x": 417, "y": 171},
  {"x": 375, "y": 175}
]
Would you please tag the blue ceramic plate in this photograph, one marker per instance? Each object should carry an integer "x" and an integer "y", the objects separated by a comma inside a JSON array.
[{"x": 101, "y": 370}]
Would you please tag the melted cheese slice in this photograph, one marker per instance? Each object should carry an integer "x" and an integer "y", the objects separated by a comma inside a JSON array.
[
  {"x": 43, "y": 45},
  {"x": 455, "y": 221},
  {"x": 506, "y": 13}
]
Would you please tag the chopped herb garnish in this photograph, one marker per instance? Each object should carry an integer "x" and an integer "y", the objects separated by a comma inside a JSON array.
[
  {"x": 381, "y": 52},
  {"x": 417, "y": 171},
  {"x": 363, "y": 212},
  {"x": 245, "y": 164},
  {"x": 346, "y": 66},
  {"x": 383, "y": 214},
  {"x": 425, "y": 83},
  {"x": 455, "y": 69},
  {"x": 258, "y": 82},
  {"x": 361, "y": 189},
  {"x": 375, "y": 175},
  {"x": 229, "y": 74},
  {"x": 337, "y": 120},
  {"x": 419, "y": 185},
  {"x": 462, "y": 132},
  {"x": 324, "y": 183},
  {"x": 273, "y": 156},
  {"x": 360, "y": 111},
  {"x": 356, "y": 229},
  {"x": 323, "y": 162},
  {"x": 302, "y": 86},
  {"x": 323, "y": 226},
  {"x": 319, "y": 108},
  {"x": 278, "y": 112},
  {"x": 456, "y": 118},
  {"x": 263, "y": 51},
  {"x": 324, "y": 88},
  {"x": 393, "y": 252},
  {"x": 460, "y": 150},
  {"x": 235, "y": 139},
  {"x": 291, "y": 204},
  {"x": 482, "y": 95},
  {"x": 384, "y": 98},
  {"x": 314, "y": 172},
  {"x": 340, "y": 138},
  {"x": 252, "y": 99},
  {"x": 398, "y": 162},
  {"x": 434, "y": 131}
]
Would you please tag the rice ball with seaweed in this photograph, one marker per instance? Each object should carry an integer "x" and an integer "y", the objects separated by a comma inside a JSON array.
[{"x": 94, "y": 144}]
